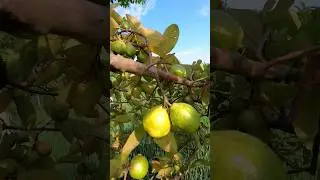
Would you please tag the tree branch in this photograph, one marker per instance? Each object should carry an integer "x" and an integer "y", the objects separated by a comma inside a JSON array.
[
  {"x": 79, "y": 19},
  {"x": 118, "y": 62}
]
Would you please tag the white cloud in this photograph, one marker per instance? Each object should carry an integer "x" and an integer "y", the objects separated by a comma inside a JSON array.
[
  {"x": 187, "y": 56},
  {"x": 204, "y": 10},
  {"x": 137, "y": 10}
]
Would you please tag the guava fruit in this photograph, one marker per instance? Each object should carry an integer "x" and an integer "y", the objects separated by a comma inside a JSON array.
[
  {"x": 142, "y": 57},
  {"x": 138, "y": 167},
  {"x": 240, "y": 156},
  {"x": 118, "y": 46},
  {"x": 130, "y": 50},
  {"x": 184, "y": 117},
  {"x": 156, "y": 122}
]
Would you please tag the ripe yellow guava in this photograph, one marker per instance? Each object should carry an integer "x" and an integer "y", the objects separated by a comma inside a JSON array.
[
  {"x": 156, "y": 122},
  {"x": 138, "y": 167}
]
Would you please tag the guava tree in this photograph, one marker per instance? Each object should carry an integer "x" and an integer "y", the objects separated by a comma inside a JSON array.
[
  {"x": 159, "y": 115},
  {"x": 55, "y": 94},
  {"x": 264, "y": 74}
]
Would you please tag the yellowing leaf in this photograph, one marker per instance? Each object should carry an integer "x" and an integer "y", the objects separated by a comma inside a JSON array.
[
  {"x": 113, "y": 26},
  {"x": 115, "y": 168},
  {"x": 134, "y": 22},
  {"x": 167, "y": 143},
  {"x": 171, "y": 36},
  {"x": 133, "y": 141},
  {"x": 115, "y": 16},
  {"x": 171, "y": 58},
  {"x": 153, "y": 37}
]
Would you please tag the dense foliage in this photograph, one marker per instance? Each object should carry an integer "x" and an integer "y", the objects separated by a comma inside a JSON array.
[
  {"x": 264, "y": 83},
  {"x": 147, "y": 113}
]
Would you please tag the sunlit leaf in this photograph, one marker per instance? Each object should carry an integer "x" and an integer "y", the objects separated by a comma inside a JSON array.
[
  {"x": 167, "y": 143},
  {"x": 132, "y": 141},
  {"x": 170, "y": 39},
  {"x": 153, "y": 37}
]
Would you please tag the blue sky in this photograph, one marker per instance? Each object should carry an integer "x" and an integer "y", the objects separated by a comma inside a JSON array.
[{"x": 192, "y": 17}]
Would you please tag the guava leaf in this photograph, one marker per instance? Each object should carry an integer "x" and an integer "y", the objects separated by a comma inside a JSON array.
[
  {"x": 115, "y": 168},
  {"x": 171, "y": 58},
  {"x": 73, "y": 128},
  {"x": 135, "y": 24},
  {"x": 70, "y": 158},
  {"x": 252, "y": 25},
  {"x": 278, "y": 93},
  {"x": 311, "y": 26},
  {"x": 26, "y": 110},
  {"x": 6, "y": 97},
  {"x": 153, "y": 37},
  {"x": 48, "y": 46},
  {"x": 305, "y": 112},
  {"x": 50, "y": 73},
  {"x": 19, "y": 69},
  {"x": 165, "y": 172},
  {"x": 199, "y": 162},
  {"x": 171, "y": 36},
  {"x": 282, "y": 17},
  {"x": 115, "y": 16},
  {"x": 279, "y": 48},
  {"x": 132, "y": 141},
  {"x": 113, "y": 26},
  {"x": 81, "y": 57},
  {"x": 167, "y": 143},
  {"x": 84, "y": 96}
]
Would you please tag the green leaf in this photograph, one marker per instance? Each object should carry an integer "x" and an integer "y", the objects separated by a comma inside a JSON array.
[
  {"x": 82, "y": 57},
  {"x": 282, "y": 17},
  {"x": 26, "y": 110},
  {"x": 171, "y": 36},
  {"x": 57, "y": 110},
  {"x": 116, "y": 168},
  {"x": 51, "y": 72},
  {"x": 307, "y": 117},
  {"x": 84, "y": 96},
  {"x": 205, "y": 121},
  {"x": 73, "y": 128},
  {"x": 6, "y": 97},
  {"x": 19, "y": 69},
  {"x": 48, "y": 46},
  {"x": 167, "y": 143},
  {"x": 278, "y": 94},
  {"x": 70, "y": 158},
  {"x": 248, "y": 19},
  {"x": 199, "y": 162},
  {"x": 132, "y": 141}
]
